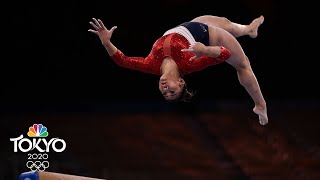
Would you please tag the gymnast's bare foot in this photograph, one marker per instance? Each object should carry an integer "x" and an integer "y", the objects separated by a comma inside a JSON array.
[
  {"x": 262, "y": 113},
  {"x": 254, "y": 25}
]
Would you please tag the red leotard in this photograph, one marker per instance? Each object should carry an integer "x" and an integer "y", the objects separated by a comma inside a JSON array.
[{"x": 169, "y": 45}]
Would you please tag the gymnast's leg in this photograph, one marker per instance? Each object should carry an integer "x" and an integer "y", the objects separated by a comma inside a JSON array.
[
  {"x": 240, "y": 62},
  {"x": 235, "y": 29},
  {"x": 249, "y": 81}
]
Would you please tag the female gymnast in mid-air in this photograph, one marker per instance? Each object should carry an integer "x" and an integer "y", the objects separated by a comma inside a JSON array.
[{"x": 189, "y": 47}]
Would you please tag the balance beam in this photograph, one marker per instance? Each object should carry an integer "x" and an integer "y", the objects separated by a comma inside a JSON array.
[{"x": 38, "y": 175}]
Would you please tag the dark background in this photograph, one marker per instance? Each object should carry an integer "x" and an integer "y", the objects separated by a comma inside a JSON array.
[
  {"x": 54, "y": 60},
  {"x": 52, "y": 66}
]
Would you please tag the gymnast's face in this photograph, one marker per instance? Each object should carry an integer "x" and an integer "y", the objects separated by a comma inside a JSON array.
[{"x": 171, "y": 88}]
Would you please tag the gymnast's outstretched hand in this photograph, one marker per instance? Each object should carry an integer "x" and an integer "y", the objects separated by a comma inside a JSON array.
[{"x": 100, "y": 30}]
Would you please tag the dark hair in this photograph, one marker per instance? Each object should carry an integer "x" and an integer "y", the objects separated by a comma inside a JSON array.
[{"x": 186, "y": 94}]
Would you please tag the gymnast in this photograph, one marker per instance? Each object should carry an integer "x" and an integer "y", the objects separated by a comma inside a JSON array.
[{"x": 190, "y": 47}]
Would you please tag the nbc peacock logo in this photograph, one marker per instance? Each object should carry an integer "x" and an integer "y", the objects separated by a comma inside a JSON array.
[{"x": 38, "y": 130}]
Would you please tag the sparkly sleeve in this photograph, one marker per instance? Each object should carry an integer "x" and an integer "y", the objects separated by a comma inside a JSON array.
[
  {"x": 135, "y": 63},
  {"x": 205, "y": 61}
]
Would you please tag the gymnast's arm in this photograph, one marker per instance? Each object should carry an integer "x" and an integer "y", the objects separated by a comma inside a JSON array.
[
  {"x": 134, "y": 63},
  {"x": 145, "y": 65}
]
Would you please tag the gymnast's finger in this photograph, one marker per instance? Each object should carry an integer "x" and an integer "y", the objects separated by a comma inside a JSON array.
[
  {"x": 192, "y": 58},
  {"x": 187, "y": 50},
  {"x": 94, "y": 26},
  {"x": 93, "y": 31},
  {"x": 101, "y": 24},
  {"x": 113, "y": 28},
  {"x": 96, "y": 22}
]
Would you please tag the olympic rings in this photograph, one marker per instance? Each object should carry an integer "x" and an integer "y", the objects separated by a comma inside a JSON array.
[{"x": 37, "y": 165}]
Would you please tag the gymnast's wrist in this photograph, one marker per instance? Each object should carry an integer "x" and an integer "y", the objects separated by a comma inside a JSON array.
[
  {"x": 106, "y": 43},
  {"x": 213, "y": 51}
]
